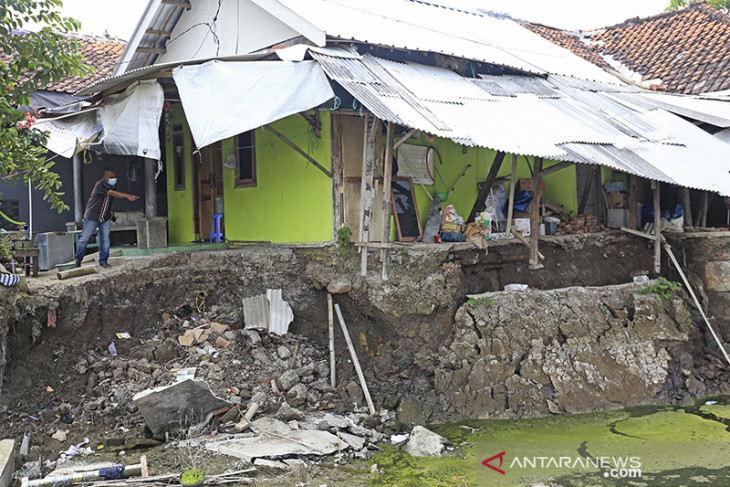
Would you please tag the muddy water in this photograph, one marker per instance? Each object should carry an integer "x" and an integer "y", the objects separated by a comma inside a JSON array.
[{"x": 639, "y": 446}]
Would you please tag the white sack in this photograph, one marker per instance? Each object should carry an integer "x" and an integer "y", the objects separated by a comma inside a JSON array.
[{"x": 223, "y": 99}]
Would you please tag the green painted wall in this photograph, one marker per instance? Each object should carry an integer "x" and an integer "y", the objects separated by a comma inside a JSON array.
[
  {"x": 179, "y": 202},
  {"x": 560, "y": 187},
  {"x": 292, "y": 202}
]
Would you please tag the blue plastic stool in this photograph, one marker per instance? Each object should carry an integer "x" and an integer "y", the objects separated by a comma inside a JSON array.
[{"x": 215, "y": 223}]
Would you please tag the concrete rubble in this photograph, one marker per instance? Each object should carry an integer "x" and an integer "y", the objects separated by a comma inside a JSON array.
[
  {"x": 7, "y": 462},
  {"x": 424, "y": 443}
]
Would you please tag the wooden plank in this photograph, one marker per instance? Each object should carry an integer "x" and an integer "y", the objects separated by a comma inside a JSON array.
[
  {"x": 298, "y": 150},
  {"x": 524, "y": 241},
  {"x": 534, "y": 262},
  {"x": 403, "y": 139},
  {"x": 638, "y": 233},
  {"x": 355, "y": 361},
  {"x": 656, "y": 186},
  {"x": 160, "y": 33},
  {"x": 338, "y": 187},
  {"x": 151, "y": 50},
  {"x": 491, "y": 177},
  {"x": 633, "y": 200},
  {"x": 512, "y": 188},
  {"x": 704, "y": 204},
  {"x": 687, "y": 208},
  {"x": 707, "y": 234},
  {"x": 555, "y": 168},
  {"x": 587, "y": 190},
  {"x": 387, "y": 208},
  {"x": 371, "y": 124},
  {"x": 333, "y": 380},
  {"x": 177, "y": 3}
]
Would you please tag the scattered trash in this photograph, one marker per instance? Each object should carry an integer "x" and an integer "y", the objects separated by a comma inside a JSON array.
[
  {"x": 67, "y": 418},
  {"x": 641, "y": 278},
  {"x": 186, "y": 373},
  {"x": 710, "y": 403},
  {"x": 31, "y": 470},
  {"x": 123, "y": 335},
  {"x": 25, "y": 444},
  {"x": 116, "y": 472},
  {"x": 268, "y": 312},
  {"x": 112, "y": 348},
  {"x": 75, "y": 450},
  {"x": 184, "y": 311},
  {"x": 59, "y": 435}
]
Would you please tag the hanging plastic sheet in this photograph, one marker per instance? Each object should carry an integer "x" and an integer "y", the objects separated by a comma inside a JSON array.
[{"x": 223, "y": 99}]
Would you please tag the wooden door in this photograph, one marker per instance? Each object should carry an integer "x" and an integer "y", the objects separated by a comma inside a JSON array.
[{"x": 208, "y": 176}]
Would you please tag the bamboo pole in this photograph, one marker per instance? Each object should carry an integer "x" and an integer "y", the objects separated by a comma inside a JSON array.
[
  {"x": 668, "y": 248},
  {"x": 705, "y": 202},
  {"x": 656, "y": 186},
  {"x": 534, "y": 261},
  {"x": 387, "y": 209},
  {"x": 333, "y": 379},
  {"x": 633, "y": 200},
  {"x": 512, "y": 187},
  {"x": 687, "y": 210},
  {"x": 355, "y": 361}
]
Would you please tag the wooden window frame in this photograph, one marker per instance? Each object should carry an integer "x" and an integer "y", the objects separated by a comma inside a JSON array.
[
  {"x": 178, "y": 178},
  {"x": 250, "y": 182}
]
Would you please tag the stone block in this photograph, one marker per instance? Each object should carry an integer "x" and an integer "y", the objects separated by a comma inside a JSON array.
[{"x": 7, "y": 462}]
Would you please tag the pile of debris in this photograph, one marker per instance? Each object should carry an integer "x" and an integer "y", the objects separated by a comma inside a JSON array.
[{"x": 580, "y": 225}]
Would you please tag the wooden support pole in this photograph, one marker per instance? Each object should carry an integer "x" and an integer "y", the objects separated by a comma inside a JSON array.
[
  {"x": 656, "y": 186},
  {"x": 705, "y": 203},
  {"x": 633, "y": 200},
  {"x": 387, "y": 209},
  {"x": 599, "y": 198},
  {"x": 555, "y": 168},
  {"x": 524, "y": 241},
  {"x": 366, "y": 187},
  {"x": 587, "y": 190},
  {"x": 534, "y": 262},
  {"x": 338, "y": 183},
  {"x": 355, "y": 361},
  {"x": 298, "y": 150},
  {"x": 686, "y": 208},
  {"x": 491, "y": 177},
  {"x": 330, "y": 313},
  {"x": 512, "y": 188},
  {"x": 404, "y": 139}
]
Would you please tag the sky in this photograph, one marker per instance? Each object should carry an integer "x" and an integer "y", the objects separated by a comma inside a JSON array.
[{"x": 119, "y": 18}]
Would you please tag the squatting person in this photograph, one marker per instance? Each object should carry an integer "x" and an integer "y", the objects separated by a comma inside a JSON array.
[{"x": 99, "y": 214}]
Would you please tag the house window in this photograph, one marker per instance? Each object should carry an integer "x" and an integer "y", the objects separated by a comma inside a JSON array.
[
  {"x": 245, "y": 160},
  {"x": 178, "y": 157}
]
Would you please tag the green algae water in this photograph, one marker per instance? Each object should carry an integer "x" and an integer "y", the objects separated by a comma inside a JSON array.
[{"x": 637, "y": 446}]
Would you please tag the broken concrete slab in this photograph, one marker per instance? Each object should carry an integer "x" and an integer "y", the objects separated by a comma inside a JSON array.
[
  {"x": 192, "y": 337},
  {"x": 218, "y": 327},
  {"x": 182, "y": 402},
  {"x": 424, "y": 443},
  {"x": 271, "y": 425},
  {"x": 262, "y": 463},
  {"x": 301, "y": 442},
  {"x": 7, "y": 462},
  {"x": 355, "y": 442}
]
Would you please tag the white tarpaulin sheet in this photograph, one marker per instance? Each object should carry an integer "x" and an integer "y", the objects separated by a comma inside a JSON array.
[
  {"x": 131, "y": 121},
  {"x": 223, "y": 99},
  {"x": 127, "y": 124},
  {"x": 65, "y": 135}
]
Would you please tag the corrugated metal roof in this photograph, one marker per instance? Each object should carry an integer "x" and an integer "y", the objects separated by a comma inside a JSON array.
[
  {"x": 538, "y": 117},
  {"x": 715, "y": 112},
  {"x": 723, "y": 135}
]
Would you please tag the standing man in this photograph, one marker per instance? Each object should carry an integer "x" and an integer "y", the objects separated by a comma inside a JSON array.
[{"x": 99, "y": 214}]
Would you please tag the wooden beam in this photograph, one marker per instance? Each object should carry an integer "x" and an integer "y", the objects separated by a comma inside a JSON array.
[
  {"x": 587, "y": 190},
  {"x": 534, "y": 262},
  {"x": 656, "y": 186},
  {"x": 152, "y": 50},
  {"x": 298, "y": 150},
  {"x": 600, "y": 199},
  {"x": 555, "y": 168},
  {"x": 177, "y": 3},
  {"x": 403, "y": 139},
  {"x": 371, "y": 124},
  {"x": 512, "y": 188},
  {"x": 524, "y": 241},
  {"x": 337, "y": 178},
  {"x": 705, "y": 204},
  {"x": 687, "y": 208},
  {"x": 387, "y": 209},
  {"x": 160, "y": 33},
  {"x": 491, "y": 177},
  {"x": 314, "y": 121},
  {"x": 633, "y": 200},
  {"x": 638, "y": 233}
]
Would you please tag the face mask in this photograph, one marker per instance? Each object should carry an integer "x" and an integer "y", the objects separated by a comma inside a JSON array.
[{"x": 112, "y": 181}]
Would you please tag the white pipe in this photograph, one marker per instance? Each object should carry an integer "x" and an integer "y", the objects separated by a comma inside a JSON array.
[
  {"x": 30, "y": 210},
  {"x": 78, "y": 189}
]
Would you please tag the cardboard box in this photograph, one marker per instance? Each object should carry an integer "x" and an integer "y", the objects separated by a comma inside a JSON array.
[{"x": 616, "y": 199}]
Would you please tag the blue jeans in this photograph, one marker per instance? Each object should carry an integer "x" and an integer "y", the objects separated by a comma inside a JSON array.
[{"x": 86, "y": 234}]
